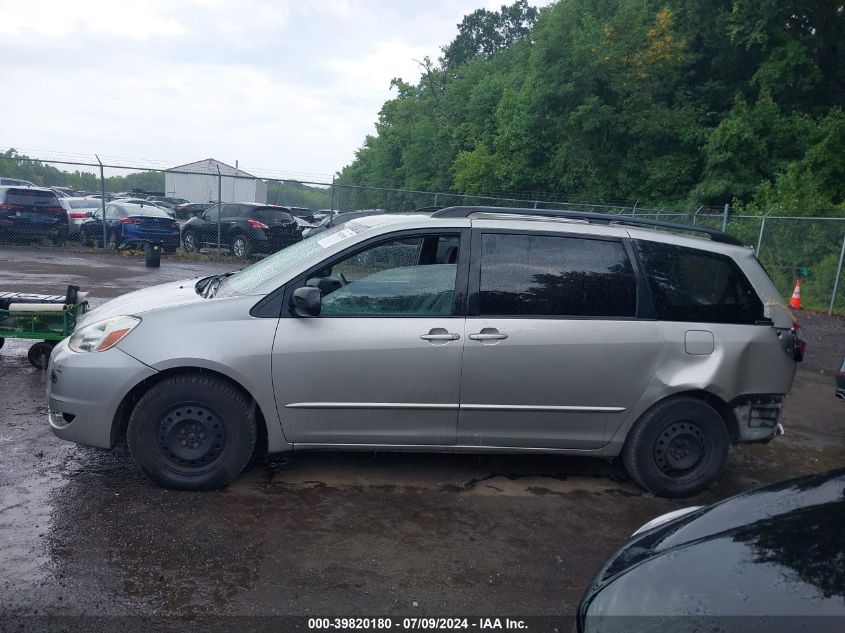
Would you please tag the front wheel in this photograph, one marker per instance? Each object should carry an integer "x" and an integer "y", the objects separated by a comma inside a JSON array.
[
  {"x": 677, "y": 448},
  {"x": 192, "y": 432}
]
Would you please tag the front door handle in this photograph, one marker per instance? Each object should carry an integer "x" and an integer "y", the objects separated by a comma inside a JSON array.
[
  {"x": 440, "y": 334},
  {"x": 488, "y": 334}
]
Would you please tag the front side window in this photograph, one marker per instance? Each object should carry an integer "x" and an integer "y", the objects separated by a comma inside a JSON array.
[
  {"x": 550, "y": 276},
  {"x": 405, "y": 277},
  {"x": 688, "y": 284}
]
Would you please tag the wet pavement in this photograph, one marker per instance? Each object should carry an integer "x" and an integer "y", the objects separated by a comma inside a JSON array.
[{"x": 83, "y": 532}]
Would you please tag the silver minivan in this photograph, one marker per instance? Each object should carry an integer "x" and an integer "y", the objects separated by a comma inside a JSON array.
[{"x": 464, "y": 329}]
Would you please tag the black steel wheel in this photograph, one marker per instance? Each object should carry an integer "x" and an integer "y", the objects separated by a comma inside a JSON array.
[
  {"x": 192, "y": 432},
  {"x": 191, "y": 437},
  {"x": 677, "y": 448}
]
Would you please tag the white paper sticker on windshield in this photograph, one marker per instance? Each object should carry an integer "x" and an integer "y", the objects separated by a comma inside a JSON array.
[{"x": 334, "y": 238}]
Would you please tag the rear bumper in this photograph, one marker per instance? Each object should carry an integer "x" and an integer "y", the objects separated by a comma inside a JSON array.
[
  {"x": 85, "y": 390},
  {"x": 757, "y": 418}
]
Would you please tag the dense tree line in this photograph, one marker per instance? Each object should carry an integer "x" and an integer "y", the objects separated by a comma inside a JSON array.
[{"x": 669, "y": 102}]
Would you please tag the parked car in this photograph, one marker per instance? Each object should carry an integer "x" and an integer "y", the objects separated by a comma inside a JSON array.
[
  {"x": 556, "y": 332},
  {"x": 767, "y": 560},
  {"x": 245, "y": 228},
  {"x": 79, "y": 210},
  {"x": 128, "y": 223},
  {"x": 146, "y": 203},
  {"x": 15, "y": 182},
  {"x": 191, "y": 209},
  {"x": 840, "y": 381},
  {"x": 28, "y": 213},
  {"x": 168, "y": 200}
]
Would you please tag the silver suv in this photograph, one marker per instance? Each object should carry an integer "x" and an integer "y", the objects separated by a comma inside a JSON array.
[{"x": 464, "y": 329}]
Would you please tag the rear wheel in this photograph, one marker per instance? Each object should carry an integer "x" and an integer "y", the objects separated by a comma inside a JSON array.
[
  {"x": 241, "y": 246},
  {"x": 189, "y": 242},
  {"x": 677, "y": 448},
  {"x": 39, "y": 354},
  {"x": 2, "y": 341},
  {"x": 192, "y": 432}
]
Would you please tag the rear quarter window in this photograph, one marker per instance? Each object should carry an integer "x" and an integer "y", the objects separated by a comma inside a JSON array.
[{"x": 688, "y": 284}]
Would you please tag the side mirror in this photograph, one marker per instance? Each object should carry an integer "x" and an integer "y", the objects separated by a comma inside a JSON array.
[{"x": 306, "y": 301}]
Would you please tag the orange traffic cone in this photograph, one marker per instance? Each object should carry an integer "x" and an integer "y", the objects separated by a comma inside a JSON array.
[{"x": 795, "y": 302}]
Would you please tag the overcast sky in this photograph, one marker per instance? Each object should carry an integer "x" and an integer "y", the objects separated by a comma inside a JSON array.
[{"x": 285, "y": 87}]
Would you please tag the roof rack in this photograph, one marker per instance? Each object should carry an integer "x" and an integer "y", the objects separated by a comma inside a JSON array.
[{"x": 597, "y": 218}]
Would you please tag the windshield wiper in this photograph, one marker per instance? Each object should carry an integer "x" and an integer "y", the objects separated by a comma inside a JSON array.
[{"x": 209, "y": 286}]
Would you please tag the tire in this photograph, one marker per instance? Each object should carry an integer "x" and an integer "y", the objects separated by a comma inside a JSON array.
[
  {"x": 677, "y": 448},
  {"x": 39, "y": 354},
  {"x": 206, "y": 411},
  {"x": 2, "y": 341},
  {"x": 189, "y": 242},
  {"x": 241, "y": 246}
]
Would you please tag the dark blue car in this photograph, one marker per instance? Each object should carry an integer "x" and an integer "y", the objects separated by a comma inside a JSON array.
[{"x": 130, "y": 223}]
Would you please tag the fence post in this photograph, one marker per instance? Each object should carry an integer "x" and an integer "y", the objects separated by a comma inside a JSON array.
[
  {"x": 331, "y": 215},
  {"x": 760, "y": 239},
  {"x": 436, "y": 196},
  {"x": 725, "y": 215},
  {"x": 103, "y": 200},
  {"x": 836, "y": 280},
  {"x": 695, "y": 215},
  {"x": 219, "y": 208},
  {"x": 535, "y": 204}
]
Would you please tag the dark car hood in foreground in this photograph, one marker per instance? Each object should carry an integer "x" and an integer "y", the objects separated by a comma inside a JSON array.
[{"x": 775, "y": 551}]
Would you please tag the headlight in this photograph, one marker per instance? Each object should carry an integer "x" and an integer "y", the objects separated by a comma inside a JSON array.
[
  {"x": 665, "y": 518},
  {"x": 102, "y": 335}
]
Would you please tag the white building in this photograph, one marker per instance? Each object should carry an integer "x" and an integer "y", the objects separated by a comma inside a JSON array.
[{"x": 198, "y": 182}]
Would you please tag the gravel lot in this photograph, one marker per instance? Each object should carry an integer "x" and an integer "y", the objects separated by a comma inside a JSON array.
[{"x": 330, "y": 534}]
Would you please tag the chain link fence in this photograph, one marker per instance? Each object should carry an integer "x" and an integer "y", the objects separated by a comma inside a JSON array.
[{"x": 209, "y": 209}]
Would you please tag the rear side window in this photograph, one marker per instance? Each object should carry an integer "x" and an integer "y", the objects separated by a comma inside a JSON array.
[
  {"x": 688, "y": 284},
  {"x": 32, "y": 197},
  {"x": 538, "y": 275}
]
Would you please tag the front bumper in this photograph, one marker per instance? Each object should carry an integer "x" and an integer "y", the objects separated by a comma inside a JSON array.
[{"x": 85, "y": 390}]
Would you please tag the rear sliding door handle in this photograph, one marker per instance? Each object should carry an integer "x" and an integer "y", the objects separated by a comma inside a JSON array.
[{"x": 488, "y": 334}]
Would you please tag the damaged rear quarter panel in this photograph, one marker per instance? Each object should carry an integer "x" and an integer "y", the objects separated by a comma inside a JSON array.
[{"x": 746, "y": 359}]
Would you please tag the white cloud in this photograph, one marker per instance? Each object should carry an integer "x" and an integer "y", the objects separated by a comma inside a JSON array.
[{"x": 289, "y": 86}]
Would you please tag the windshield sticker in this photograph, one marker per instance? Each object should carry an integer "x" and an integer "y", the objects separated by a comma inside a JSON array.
[{"x": 334, "y": 238}]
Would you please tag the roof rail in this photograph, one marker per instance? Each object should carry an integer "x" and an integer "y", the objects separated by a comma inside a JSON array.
[{"x": 597, "y": 218}]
